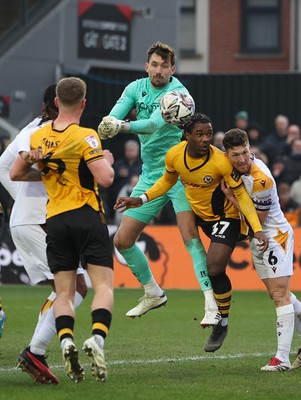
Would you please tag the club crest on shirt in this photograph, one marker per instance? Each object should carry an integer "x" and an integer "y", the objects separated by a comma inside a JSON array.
[
  {"x": 208, "y": 179},
  {"x": 92, "y": 141}
]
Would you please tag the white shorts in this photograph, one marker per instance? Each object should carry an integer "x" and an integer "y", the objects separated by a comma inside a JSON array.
[
  {"x": 277, "y": 260},
  {"x": 30, "y": 242}
]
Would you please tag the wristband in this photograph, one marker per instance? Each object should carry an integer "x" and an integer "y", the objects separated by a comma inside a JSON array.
[
  {"x": 125, "y": 126},
  {"x": 144, "y": 198}
]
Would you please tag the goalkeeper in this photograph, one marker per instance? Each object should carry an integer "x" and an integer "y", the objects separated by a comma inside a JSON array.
[{"x": 156, "y": 137}]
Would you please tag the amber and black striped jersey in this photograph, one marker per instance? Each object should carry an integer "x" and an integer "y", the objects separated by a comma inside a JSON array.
[
  {"x": 67, "y": 178},
  {"x": 201, "y": 178}
]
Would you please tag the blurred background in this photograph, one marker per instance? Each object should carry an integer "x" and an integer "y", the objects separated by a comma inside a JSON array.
[
  {"x": 240, "y": 60},
  {"x": 231, "y": 54}
]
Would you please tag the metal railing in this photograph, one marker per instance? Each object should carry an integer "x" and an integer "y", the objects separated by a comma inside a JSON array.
[{"x": 18, "y": 16}]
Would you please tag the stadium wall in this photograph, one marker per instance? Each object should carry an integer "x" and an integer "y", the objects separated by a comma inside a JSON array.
[{"x": 169, "y": 260}]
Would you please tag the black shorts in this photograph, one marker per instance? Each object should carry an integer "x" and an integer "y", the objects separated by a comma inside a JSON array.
[
  {"x": 225, "y": 230},
  {"x": 78, "y": 236}
]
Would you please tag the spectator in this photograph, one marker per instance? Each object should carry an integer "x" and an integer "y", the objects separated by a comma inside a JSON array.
[
  {"x": 241, "y": 120},
  {"x": 290, "y": 208},
  {"x": 125, "y": 191},
  {"x": 293, "y": 133},
  {"x": 259, "y": 154},
  {"x": 127, "y": 166},
  {"x": 292, "y": 163},
  {"x": 255, "y": 134},
  {"x": 296, "y": 191},
  {"x": 278, "y": 169},
  {"x": 217, "y": 140},
  {"x": 276, "y": 144}
]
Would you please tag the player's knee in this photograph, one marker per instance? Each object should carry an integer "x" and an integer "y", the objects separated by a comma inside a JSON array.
[
  {"x": 280, "y": 296},
  {"x": 120, "y": 242}
]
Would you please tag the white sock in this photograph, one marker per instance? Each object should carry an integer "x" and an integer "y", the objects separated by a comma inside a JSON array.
[
  {"x": 99, "y": 340},
  {"x": 42, "y": 337},
  {"x": 41, "y": 319},
  {"x": 152, "y": 288},
  {"x": 297, "y": 309},
  {"x": 285, "y": 331},
  {"x": 210, "y": 302},
  {"x": 78, "y": 298},
  {"x": 64, "y": 341}
]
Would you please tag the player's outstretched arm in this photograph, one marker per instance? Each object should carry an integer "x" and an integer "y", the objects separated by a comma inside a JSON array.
[{"x": 111, "y": 126}]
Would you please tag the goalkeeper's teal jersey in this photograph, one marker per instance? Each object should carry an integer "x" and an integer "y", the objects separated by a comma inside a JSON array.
[{"x": 160, "y": 136}]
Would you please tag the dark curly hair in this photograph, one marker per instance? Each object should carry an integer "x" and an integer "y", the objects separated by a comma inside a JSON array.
[{"x": 195, "y": 118}]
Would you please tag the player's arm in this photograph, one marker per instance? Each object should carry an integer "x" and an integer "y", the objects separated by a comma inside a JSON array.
[
  {"x": 20, "y": 143},
  {"x": 114, "y": 123},
  {"x": 248, "y": 209},
  {"x": 262, "y": 215},
  {"x": 111, "y": 126},
  {"x": 102, "y": 169},
  {"x": 154, "y": 122},
  {"x": 6, "y": 160},
  {"x": 162, "y": 186},
  {"x": 22, "y": 169}
]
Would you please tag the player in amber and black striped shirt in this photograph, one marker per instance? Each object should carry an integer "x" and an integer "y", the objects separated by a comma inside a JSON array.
[
  {"x": 72, "y": 162},
  {"x": 201, "y": 168}
]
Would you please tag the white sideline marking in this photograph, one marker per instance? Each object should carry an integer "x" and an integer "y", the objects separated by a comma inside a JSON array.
[
  {"x": 190, "y": 358},
  {"x": 161, "y": 360}
]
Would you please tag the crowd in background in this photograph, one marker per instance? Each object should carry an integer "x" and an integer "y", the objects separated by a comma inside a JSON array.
[{"x": 280, "y": 150}]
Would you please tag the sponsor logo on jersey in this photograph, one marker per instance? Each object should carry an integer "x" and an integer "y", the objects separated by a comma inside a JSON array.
[
  {"x": 191, "y": 185},
  {"x": 150, "y": 108},
  {"x": 144, "y": 94},
  {"x": 95, "y": 152},
  {"x": 92, "y": 141}
]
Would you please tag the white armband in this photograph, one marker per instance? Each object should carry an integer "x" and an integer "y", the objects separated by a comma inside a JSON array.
[{"x": 144, "y": 198}]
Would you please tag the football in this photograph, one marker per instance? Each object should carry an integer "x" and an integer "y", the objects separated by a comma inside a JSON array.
[{"x": 177, "y": 107}]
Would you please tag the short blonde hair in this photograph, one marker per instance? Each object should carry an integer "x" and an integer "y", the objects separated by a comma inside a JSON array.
[{"x": 71, "y": 91}]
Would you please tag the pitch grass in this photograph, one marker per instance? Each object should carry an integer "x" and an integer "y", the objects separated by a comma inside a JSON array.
[{"x": 156, "y": 357}]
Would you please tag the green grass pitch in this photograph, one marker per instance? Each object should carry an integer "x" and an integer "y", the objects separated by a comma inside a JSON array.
[{"x": 156, "y": 357}]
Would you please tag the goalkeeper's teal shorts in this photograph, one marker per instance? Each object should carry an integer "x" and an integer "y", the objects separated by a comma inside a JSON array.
[{"x": 148, "y": 211}]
